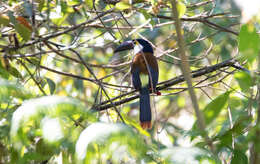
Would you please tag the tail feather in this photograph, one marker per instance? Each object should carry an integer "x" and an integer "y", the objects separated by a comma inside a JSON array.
[{"x": 145, "y": 108}]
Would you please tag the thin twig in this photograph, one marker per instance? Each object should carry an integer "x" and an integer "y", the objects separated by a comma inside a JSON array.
[{"x": 100, "y": 84}]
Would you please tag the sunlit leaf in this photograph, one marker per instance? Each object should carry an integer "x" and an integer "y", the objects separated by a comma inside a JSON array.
[
  {"x": 212, "y": 110},
  {"x": 249, "y": 42},
  {"x": 9, "y": 90},
  {"x": 235, "y": 102},
  {"x": 4, "y": 20},
  {"x": 116, "y": 142},
  {"x": 41, "y": 4},
  {"x": 239, "y": 124},
  {"x": 193, "y": 155},
  {"x": 23, "y": 31},
  {"x": 123, "y": 5},
  {"x": 181, "y": 7},
  {"x": 13, "y": 71},
  {"x": 49, "y": 114},
  {"x": 60, "y": 20},
  {"x": 244, "y": 80},
  {"x": 64, "y": 6},
  {"x": 181, "y": 101},
  {"x": 89, "y": 3},
  {"x": 130, "y": 121},
  {"x": 3, "y": 72},
  {"x": 147, "y": 15}
]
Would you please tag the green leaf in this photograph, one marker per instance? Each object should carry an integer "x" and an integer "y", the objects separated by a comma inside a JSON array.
[
  {"x": 154, "y": 2},
  {"x": 51, "y": 84},
  {"x": 181, "y": 7},
  {"x": 240, "y": 123},
  {"x": 64, "y": 7},
  {"x": 212, "y": 110},
  {"x": 244, "y": 80},
  {"x": 47, "y": 117},
  {"x": 249, "y": 42},
  {"x": 114, "y": 142},
  {"x": 3, "y": 72},
  {"x": 44, "y": 149},
  {"x": 147, "y": 15},
  {"x": 179, "y": 155},
  {"x": 41, "y": 4},
  {"x": 59, "y": 21},
  {"x": 35, "y": 61},
  {"x": 239, "y": 157},
  {"x": 4, "y": 20},
  {"x": 123, "y": 5},
  {"x": 78, "y": 83},
  {"x": 225, "y": 54},
  {"x": 236, "y": 103},
  {"x": 9, "y": 90},
  {"x": 13, "y": 71},
  {"x": 23, "y": 31},
  {"x": 89, "y": 3}
]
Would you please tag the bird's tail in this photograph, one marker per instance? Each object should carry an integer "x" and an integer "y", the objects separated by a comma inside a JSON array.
[{"x": 145, "y": 109}]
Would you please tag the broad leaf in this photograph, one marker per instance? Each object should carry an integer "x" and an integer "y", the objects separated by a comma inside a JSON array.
[
  {"x": 239, "y": 157},
  {"x": 192, "y": 155},
  {"x": 3, "y": 72},
  {"x": 10, "y": 90},
  {"x": 89, "y": 3},
  {"x": 115, "y": 142},
  {"x": 181, "y": 7},
  {"x": 244, "y": 80},
  {"x": 4, "y": 20},
  {"x": 212, "y": 110},
  {"x": 123, "y": 5},
  {"x": 249, "y": 42},
  {"x": 13, "y": 71},
  {"x": 47, "y": 117},
  {"x": 23, "y": 31}
]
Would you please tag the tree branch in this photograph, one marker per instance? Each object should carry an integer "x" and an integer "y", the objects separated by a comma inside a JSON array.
[{"x": 164, "y": 85}]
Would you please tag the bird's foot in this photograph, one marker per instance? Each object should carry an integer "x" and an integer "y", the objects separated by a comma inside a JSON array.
[{"x": 158, "y": 93}]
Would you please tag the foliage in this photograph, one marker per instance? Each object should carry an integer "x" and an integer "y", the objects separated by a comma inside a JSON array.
[{"x": 65, "y": 97}]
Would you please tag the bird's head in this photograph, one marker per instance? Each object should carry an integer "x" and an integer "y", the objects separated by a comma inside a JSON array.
[{"x": 137, "y": 44}]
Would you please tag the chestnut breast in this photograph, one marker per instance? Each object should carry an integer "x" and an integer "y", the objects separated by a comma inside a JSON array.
[{"x": 139, "y": 62}]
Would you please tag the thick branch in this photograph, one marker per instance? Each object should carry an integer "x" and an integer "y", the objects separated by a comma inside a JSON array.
[
  {"x": 185, "y": 67},
  {"x": 166, "y": 84}
]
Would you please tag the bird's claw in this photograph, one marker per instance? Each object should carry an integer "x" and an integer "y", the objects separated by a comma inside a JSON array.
[{"x": 158, "y": 93}]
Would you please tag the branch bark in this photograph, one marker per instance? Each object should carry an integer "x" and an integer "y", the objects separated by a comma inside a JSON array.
[
  {"x": 164, "y": 85},
  {"x": 185, "y": 67}
]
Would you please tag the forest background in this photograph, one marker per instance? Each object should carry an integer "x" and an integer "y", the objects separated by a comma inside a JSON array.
[{"x": 65, "y": 97}]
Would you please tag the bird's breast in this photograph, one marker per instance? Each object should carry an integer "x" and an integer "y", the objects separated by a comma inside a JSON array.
[{"x": 139, "y": 62}]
